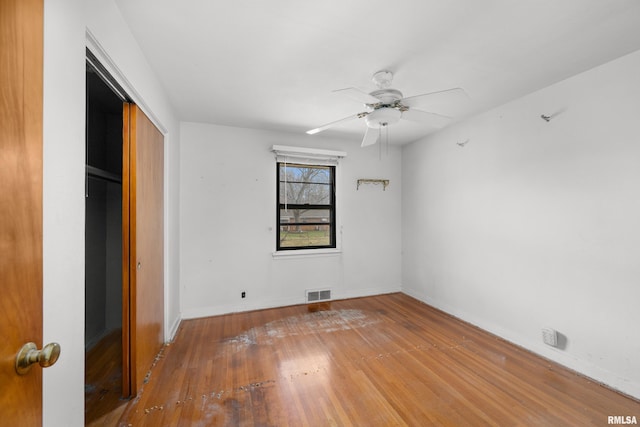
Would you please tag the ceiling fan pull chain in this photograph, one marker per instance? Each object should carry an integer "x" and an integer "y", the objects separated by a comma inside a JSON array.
[
  {"x": 380, "y": 143},
  {"x": 387, "y": 129}
]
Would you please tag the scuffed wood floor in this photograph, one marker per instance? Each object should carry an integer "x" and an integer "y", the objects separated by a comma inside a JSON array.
[
  {"x": 103, "y": 382},
  {"x": 375, "y": 361}
]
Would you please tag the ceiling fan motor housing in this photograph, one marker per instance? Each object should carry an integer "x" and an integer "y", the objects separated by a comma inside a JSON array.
[
  {"x": 387, "y": 96},
  {"x": 386, "y": 112}
]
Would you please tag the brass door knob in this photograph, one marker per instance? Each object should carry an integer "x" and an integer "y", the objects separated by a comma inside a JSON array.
[{"x": 29, "y": 354}]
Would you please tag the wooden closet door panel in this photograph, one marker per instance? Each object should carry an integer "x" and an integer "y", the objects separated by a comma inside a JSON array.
[
  {"x": 146, "y": 243},
  {"x": 21, "y": 71}
]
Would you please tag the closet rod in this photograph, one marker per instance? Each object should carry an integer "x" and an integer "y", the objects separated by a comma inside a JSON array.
[{"x": 95, "y": 172}]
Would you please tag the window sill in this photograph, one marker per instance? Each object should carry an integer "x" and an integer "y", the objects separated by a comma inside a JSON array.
[{"x": 306, "y": 253}]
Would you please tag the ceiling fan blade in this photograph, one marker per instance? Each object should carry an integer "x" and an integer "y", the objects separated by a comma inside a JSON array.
[
  {"x": 370, "y": 137},
  {"x": 358, "y": 95},
  {"x": 337, "y": 122},
  {"x": 436, "y": 100},
  {"x": 432, "y": 119}
]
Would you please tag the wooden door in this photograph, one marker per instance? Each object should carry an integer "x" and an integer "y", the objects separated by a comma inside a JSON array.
[
  {"x": 21, "y": 50},
  {"x": 143, "y": 226}
]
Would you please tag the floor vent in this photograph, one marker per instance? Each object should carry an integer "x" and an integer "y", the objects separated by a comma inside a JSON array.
[{"x": 318, "y": 295}]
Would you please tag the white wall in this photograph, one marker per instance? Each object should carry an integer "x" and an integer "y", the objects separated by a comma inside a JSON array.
[
  {"x": 228, "y": 215},
  {"x": 535, "y": 224},
  {"x": 66, "y": 23},
  {"x": 63, "y": 210}
]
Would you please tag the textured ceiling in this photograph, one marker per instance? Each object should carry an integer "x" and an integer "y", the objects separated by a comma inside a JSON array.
[{"x": 274, "y": 64}]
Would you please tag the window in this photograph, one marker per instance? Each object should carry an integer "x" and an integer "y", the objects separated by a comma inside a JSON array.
[{"x": 306, "y": 206}]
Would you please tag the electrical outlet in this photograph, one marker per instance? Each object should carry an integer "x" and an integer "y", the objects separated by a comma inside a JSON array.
[
  {"x": 550, "y": 337},
  {"x": 244, "y": 294}
]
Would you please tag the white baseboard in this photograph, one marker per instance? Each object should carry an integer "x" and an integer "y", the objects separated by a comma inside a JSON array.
[
  {"x": 217, "y": 310},
  {"x": 173, "y": 330},
  {"x": 366, "y": 292}
]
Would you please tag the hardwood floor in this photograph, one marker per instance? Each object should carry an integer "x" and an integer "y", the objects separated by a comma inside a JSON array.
[
  {"x": 375, "y": 361},
  {"x": 103, "y": 382}
]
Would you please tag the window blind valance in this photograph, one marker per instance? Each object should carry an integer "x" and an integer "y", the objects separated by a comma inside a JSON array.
[{"x": 305, "y": 155}]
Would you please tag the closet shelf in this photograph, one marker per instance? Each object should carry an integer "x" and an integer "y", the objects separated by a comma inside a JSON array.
[{"x": 102, "y": 174}]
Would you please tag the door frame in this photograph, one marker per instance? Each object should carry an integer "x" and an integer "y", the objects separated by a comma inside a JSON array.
[{"x": 127, "y": 389}]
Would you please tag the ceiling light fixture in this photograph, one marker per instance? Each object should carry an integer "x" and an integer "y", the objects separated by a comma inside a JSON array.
[{"x": 383, "y": 117}]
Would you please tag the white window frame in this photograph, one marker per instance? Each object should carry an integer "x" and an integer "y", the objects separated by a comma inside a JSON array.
[{"x": 312, "y": 157}]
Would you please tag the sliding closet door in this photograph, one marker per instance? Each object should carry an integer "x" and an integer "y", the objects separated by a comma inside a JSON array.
[{"x": 145, "y": 253}]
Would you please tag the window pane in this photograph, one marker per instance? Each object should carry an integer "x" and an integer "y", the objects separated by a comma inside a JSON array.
[
  {"x": 305, "y": 193},
  {"x": 301, "y": 173},
  {"x": 306, "y": 236},
  {"x": 306, "y": 206},
  {"x": 304, "y": 216}
]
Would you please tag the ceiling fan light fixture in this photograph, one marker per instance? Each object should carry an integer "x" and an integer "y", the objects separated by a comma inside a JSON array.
[{"x": 382, "y": 117}]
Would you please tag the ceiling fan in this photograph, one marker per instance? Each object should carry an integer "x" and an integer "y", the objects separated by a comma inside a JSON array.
[{"x": 386, "y": 106}]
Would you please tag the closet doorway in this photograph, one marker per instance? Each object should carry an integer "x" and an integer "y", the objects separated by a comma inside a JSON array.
[
  {"x": 105, "y": 354},
  {"x": 124, "y": 244}
]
